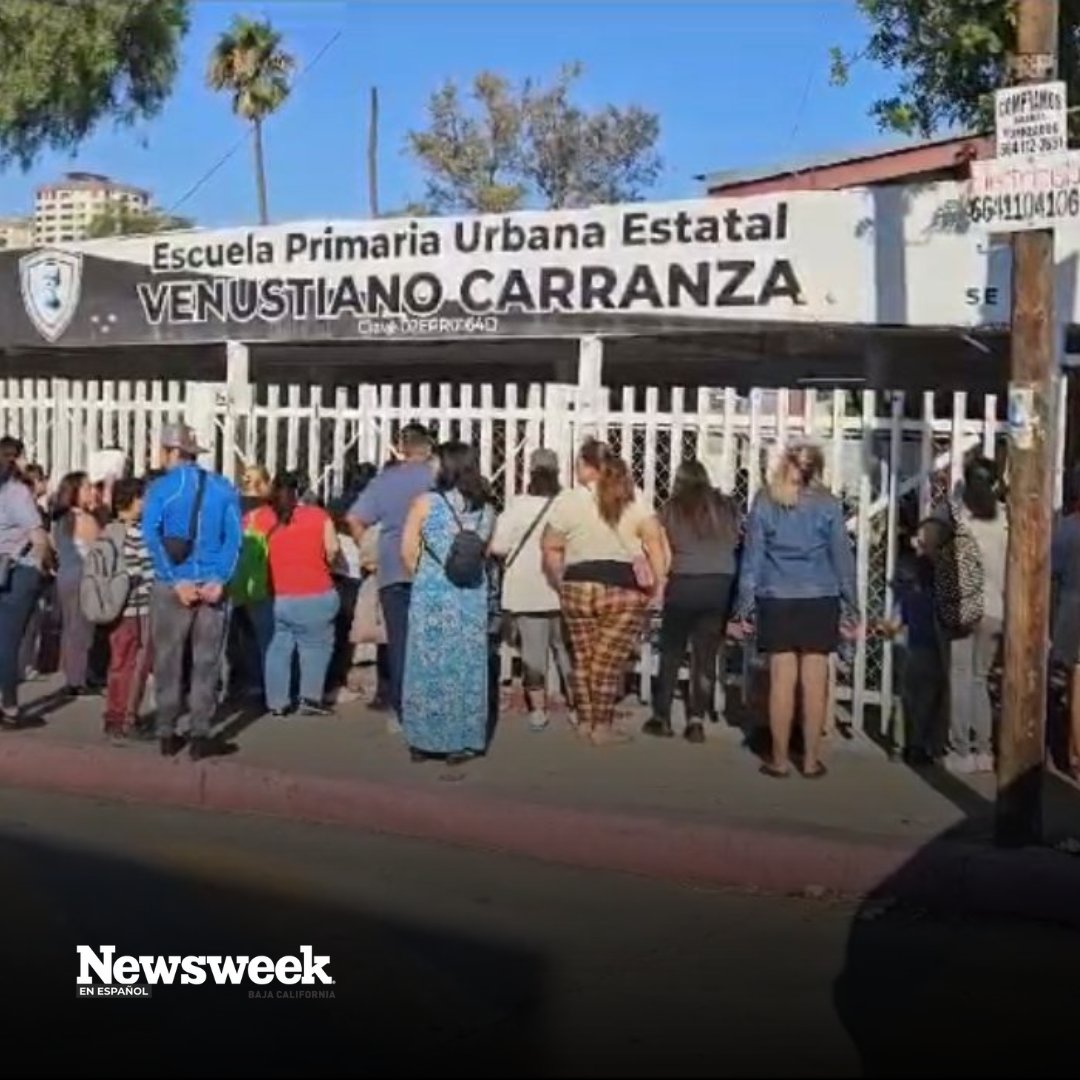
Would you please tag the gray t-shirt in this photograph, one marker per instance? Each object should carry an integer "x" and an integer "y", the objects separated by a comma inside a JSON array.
[
  {"x": 19, "y": 516},
  {"x": 385, "y": 502},
  {"x": 691, "y": 554}
]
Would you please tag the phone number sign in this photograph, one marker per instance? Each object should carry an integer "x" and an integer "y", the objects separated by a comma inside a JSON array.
[
  {"x": 1032, "y": 120},
  {"x": 1012, "y": 195}
]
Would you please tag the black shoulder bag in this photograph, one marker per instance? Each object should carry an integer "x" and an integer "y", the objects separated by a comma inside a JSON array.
[
  {"x": 7, "y": 566},
  {"x": 512, "y": 557},
  {"x": 179, "y": 548}
]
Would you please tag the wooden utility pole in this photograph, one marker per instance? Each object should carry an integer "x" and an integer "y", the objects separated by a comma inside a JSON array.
[
  {"x": 373, "y": 154},
  {"x": 1021, "y": 752}
]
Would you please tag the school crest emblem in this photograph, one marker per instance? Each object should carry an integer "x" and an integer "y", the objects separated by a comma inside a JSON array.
[{"x": 51, "y": 282}]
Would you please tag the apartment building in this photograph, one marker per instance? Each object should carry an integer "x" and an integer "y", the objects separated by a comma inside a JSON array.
[
  {"x": 16, "y": 232},
  {"x": 63, "y": 210}
]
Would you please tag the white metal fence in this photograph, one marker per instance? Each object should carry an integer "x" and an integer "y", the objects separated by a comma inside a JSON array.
[{"x": 880, "y": 447}]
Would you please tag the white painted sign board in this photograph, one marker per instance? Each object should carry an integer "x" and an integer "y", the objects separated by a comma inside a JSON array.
[
  {"x": 1031, "y": 121},
  {"x": 1015, "y": 194}
]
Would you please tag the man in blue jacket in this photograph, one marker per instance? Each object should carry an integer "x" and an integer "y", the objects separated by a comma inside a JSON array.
[{"x": 191, "y": 523}]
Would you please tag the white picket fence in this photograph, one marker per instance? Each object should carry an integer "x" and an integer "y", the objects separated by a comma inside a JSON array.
[{"x": 880, "y": 447}]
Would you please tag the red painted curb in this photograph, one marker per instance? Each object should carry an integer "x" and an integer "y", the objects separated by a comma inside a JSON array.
[{"x": 944, "y": 873}]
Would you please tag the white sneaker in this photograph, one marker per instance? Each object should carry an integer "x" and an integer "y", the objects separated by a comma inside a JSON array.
[
  {"x": 393, "y": 725},
  {"x": 538, "y": 721},
  {"x": 959, "y": 764},
  {"x": 984, "y": 763}
]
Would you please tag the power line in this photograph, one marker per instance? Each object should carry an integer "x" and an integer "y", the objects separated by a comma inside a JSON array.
[
  {"x": 232, "y": 151},
  {"x": 810, "y": 75}
]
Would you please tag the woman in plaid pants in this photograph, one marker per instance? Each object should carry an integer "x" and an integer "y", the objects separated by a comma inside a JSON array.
[{"x": 605, "y": 552}]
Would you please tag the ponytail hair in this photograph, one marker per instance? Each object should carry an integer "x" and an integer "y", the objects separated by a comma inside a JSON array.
[
  {"x": 285, "y": 496},
  {"x": 614, "y": 485}
]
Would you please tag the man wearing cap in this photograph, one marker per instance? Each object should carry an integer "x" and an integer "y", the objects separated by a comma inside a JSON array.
[
  {"x": 526, "y": 592},
  {"x": 191, "y": 522}
]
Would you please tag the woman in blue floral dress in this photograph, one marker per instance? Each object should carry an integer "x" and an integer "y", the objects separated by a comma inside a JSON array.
[{"x": 445, "y": 701}]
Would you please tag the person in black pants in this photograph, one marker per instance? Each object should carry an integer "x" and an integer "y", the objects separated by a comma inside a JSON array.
[{"x": 702, "y": 528}]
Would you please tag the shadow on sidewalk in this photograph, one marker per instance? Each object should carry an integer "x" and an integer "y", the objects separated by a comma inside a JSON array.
[
  {"x": 409, "y": 999},
  {"x": 38, "y": 712},
  {"x": 234, "y": 719},
  {"x": 908, "y": 1010}
]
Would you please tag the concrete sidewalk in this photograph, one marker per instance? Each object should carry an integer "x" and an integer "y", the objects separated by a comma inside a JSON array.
[{"x": 659, "y": 807}]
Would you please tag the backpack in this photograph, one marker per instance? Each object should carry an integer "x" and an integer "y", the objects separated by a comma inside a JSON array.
[
  {"x": 466, "y": 561},
  {"x": 106, "y": 583},
  {"x": 959, "y": 580}
]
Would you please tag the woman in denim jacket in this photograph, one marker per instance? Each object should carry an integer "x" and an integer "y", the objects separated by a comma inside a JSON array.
[{"x": 797, "y": 584}]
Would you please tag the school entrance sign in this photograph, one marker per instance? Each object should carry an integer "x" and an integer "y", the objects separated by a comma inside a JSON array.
[{"x": 613, "y": 269}]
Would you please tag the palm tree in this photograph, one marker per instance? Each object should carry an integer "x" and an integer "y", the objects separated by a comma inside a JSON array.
[{"x": 250, "y": 64}]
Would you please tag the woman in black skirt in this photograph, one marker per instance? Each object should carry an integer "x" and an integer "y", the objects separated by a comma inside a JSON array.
[{"x": 797, "y": 584}]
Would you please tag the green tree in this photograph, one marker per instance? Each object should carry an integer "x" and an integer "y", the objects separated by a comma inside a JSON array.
[
  {"x": 471, "y": 157},
  {"x": 118, "y": 220},
  {"x": 951, "y": 56},
  {"x": 571, "y": 157},
  {"x": 66, "y": 66},
  {"x": 249, "y": 63},
  {"x": 506, "y": 147}
]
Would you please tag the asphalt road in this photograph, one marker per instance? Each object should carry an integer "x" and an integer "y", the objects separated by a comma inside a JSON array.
[{"x": 456, "y": 963}]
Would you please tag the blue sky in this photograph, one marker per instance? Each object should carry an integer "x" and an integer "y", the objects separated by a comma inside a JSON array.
[{"x": 736, "y": 83}]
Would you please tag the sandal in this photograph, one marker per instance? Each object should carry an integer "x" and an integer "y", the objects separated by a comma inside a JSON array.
[
  {"x": 773, "y": 772},
  {"x": 608, "y": 735},
  {"x": 461, "y": 757},
  {"x": 817, "y": 772}
]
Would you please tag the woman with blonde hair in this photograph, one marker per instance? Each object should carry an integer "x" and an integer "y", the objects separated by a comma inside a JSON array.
[
  {"x": 605, "y": 553},
  {"x": 254, "y": 487},
  {"x": 797, "y": 584},
  {"x": 252, "y": 625}
]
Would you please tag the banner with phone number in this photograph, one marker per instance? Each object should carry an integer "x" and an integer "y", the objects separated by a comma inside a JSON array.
[{"x": 1005, "y": 196}]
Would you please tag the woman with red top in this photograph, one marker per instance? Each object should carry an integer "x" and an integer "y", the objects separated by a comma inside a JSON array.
[{"x": 302, "y": 544}]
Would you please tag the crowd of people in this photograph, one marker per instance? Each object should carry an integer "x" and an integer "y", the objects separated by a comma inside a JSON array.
[{"x": 267, "y": 593}]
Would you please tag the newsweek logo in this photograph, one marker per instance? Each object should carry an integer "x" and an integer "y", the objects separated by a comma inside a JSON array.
[{"x": 104, "y": 974}]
